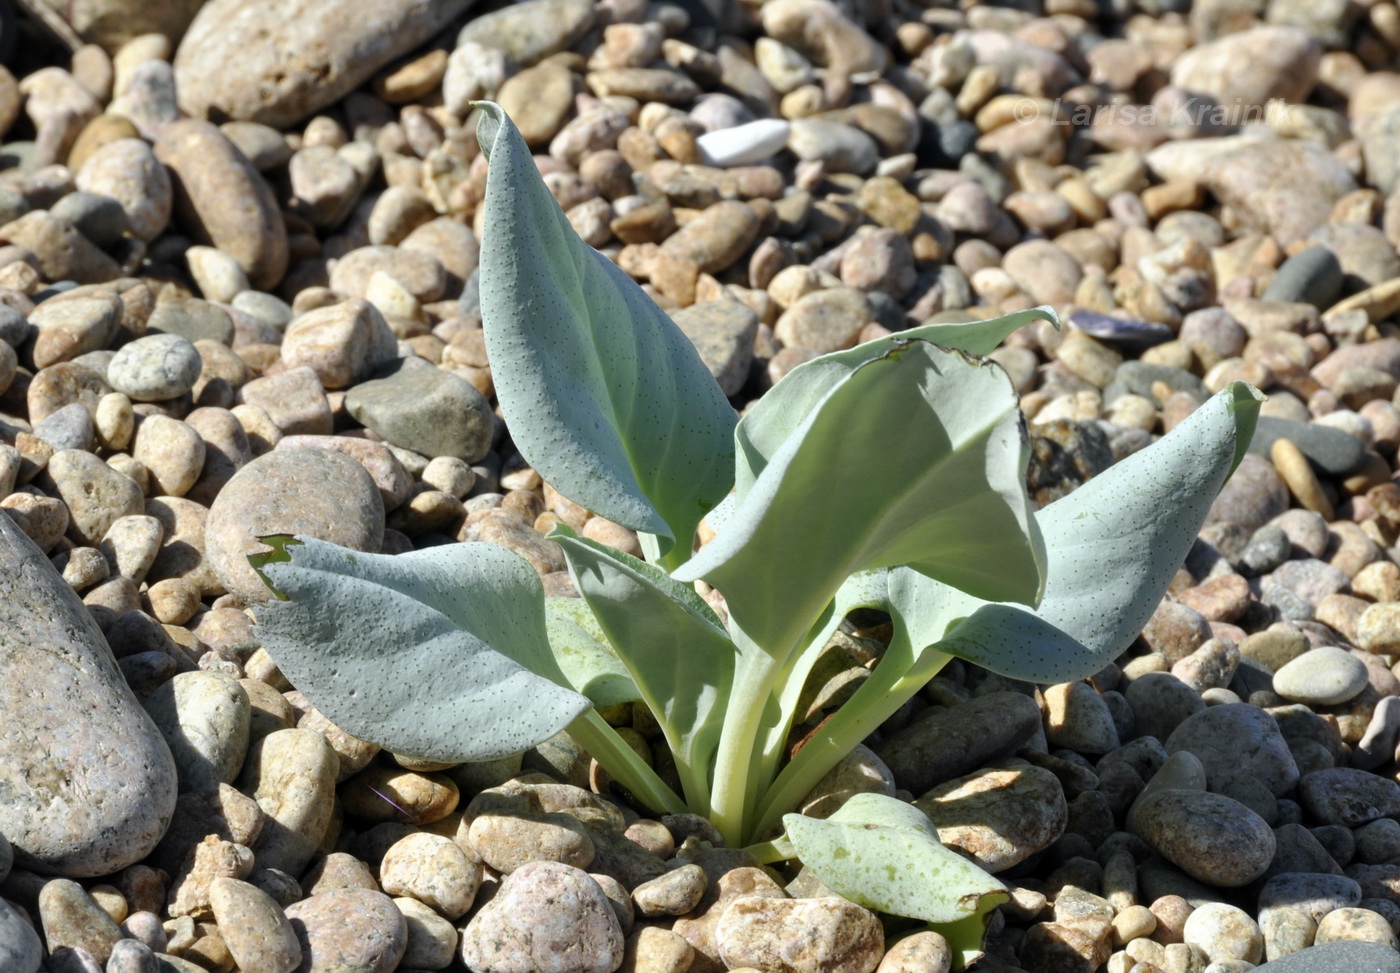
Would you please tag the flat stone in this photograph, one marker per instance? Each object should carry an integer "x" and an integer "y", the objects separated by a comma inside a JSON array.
[
  {"x": 90, "y": 783},
  {"x": 427, "y": 410},
  {"x": 277, "y": 63}
]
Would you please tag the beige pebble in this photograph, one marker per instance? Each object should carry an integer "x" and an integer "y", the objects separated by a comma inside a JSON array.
[{"x": 1298, "y": 475}]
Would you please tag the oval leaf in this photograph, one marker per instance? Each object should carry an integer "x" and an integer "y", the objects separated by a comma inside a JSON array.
[
  {"x": 439, "y": 653},
  {"x": 917, "y": 457},
  {"x": 605, "y": 396},
  {"x": 884, "y": 854}
]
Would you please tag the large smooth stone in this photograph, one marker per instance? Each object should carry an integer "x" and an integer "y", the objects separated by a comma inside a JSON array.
[
  {"x": 87, "y": 784},
  {"x": 278, "y": 61},
  {"x": 313, "y": 492}
]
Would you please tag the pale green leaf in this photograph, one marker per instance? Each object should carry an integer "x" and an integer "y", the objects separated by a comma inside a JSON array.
[
  {"x": 605, "y": 396},
  {"x": 884, "y": 854},
  {"x": 783, "y": 409},
  {"x": 1112, "y": 547},
  {"x": 585, "y": 658},
  {"x": 678, "y": 654},
  {"x": 916, "y": 457},
  {"x": 439, "y": 653}
]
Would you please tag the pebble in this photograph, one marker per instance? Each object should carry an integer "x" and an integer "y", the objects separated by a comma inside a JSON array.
[
  {"x": 1224, "y": 932},
  {"x": 319, "y": 493},
  {"x": 426, "y": 410},
  {"x": 432, "y": 940},
  {"x": 258, "y": 933},
  {"x": 223, "y": 201},
  {"x": 546, "y": 917},
  {"x": 204, "y": 718},
  {"x": 20, "y": 947},
  {"x": 1238, "y": 736},
  {"x": 128, "y": 171},
  {"x": 291, "y": 775},
  {"x": 70, "y": 918},
  {"x": 1324, "y": 676},
  {"x": 155, "y": 368},
  {"x": 1000, "y": 816},
  {"x": 799, "y": 935},
  {"x": 1213, "y": 838},
  {"x": 954, "y": 742},
  {"x": 1348, "y": 796},
  {"x": 356, "y": 930},
  {"x": 433, "y": 870}
]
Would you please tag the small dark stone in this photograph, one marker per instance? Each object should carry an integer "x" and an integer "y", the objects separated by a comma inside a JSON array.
[
  {"x": 1064, "y": 455},
  {"x": 1331, "y": 450},
  {"x": 1313, "y": 276}
]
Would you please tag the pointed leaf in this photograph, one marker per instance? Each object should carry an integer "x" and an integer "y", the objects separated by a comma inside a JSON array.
[
  {"x": 678, "y": 653},
  {"x": 585, "y": 658},
  {"x": 884, "y": 854},
  {"x": 605, "y": 396},
  {"x": 1112, "y": 547},
  {"x": 439, "y": 653},
  {"x": 917, "y": 457}
]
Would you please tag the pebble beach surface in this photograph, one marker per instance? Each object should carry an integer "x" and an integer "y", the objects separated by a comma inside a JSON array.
[{"x": 238, "y": 244}]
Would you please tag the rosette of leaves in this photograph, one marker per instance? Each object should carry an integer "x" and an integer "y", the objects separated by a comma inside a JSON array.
[{"x": 887, "y": 476}]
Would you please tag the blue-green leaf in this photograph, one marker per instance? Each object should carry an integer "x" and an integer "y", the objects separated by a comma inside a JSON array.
[
  {"x": 1112, "y": 547},
  {"x": 678, "y": 654},
  {"x": 439, "y": 653},
  {"x": 915, "y": 457},
  {"x": 605, "y": 396},
  {"x": 884, "y": 854}
]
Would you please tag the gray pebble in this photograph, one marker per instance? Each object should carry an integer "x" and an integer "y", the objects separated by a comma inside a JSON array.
[
  {"x": 1348, "y": 796},
  {"x": 155, "y": 368},
  {"x": 427, "y": 410},
  {"x": 1211, "y": 837},
  {"x": 1338, "y": 958},
  {"x": 131, "y": 956},
  {"x": 953, "y": 742},
  {"x": 20, "y": 948},
  {"x": 91, "y": 783},
  {"x": 1238, "y": 737},
  {"x": 1324, "y": 676}
]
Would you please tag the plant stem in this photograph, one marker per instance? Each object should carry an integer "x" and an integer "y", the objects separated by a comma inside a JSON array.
[
  {"x": 887, "y": 689},
  {"x": 604, "y": 745}
]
